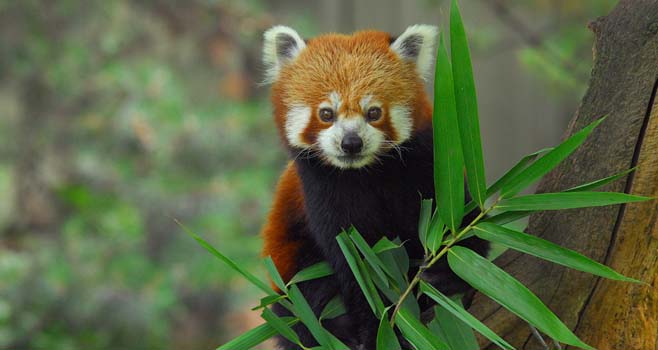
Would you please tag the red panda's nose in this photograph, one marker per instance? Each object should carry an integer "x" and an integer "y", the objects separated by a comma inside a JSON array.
[{"x": 351, "y": 143}]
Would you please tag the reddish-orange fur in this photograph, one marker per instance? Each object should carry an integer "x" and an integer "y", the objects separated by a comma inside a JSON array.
[
  {"x": 353, "y": 66},
  {"x": 288, "y": 207}
]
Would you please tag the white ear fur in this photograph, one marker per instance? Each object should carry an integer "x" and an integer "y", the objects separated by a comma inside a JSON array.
[
  {"x": 281, "y": 45},
  {"x": 417, "y": 44}
]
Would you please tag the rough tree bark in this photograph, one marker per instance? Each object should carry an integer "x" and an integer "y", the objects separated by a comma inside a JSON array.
[{"x": 607, "y": 315}]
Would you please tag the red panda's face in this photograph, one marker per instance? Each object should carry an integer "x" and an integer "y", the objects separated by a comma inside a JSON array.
[{"x": 348, "y": 99}]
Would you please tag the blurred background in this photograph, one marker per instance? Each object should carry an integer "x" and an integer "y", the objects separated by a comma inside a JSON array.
[{"x": 118, "y": 116}]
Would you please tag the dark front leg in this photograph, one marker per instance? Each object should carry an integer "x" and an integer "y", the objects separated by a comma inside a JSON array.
[
  {"x": 318, "y": 293},
  {"x": 364, "y": 322}
]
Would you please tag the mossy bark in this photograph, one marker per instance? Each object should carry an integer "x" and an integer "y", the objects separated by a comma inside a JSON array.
[{"x": 606, "y": 314}]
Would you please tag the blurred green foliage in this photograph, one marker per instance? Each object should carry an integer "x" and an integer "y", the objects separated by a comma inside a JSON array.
[
  {"x": 126, "y": 115},
  {"x": 559, "y": 50}
]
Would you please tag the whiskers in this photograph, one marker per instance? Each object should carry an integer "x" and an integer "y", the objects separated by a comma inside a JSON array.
[
  {"x": 309, "y": 153},
  {"x": 388, "y": 144}
]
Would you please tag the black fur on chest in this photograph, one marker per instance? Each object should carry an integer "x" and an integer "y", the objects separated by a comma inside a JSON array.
[{"x": 380, "y": 200}]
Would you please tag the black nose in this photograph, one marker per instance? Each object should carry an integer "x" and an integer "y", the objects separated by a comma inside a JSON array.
[{"x": 351, "y": 144}]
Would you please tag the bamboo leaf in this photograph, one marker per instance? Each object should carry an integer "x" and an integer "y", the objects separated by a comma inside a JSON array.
[
  {"x": 448, "y": 157},
  {"x": 390, "y": 259},
  {"x": 360, "y": 273},
  {"x": 507, "y": 177},
  {"x": 390, "y": 291},
  {"x": 230, "y": 263},
  {"x": 567, "y": 200},
  {"x": 315, "y": 271},
  {"x": 424, "y": 220},
  {"x": 268, "y": 300},
  {"x": 386, "y": 338},
  {"x": 435, "y": 234},
  {"x": 463, "y": 315},
  {"x": 304, "y": 312},
  {"x": 274, "y": 273},
  {"x": 546, "y": 250},
  {"x": 280, "y": 326},
  {"x": 452, "y": 331},
  {"x": 416, "y": 333},
  {"x": 511, "y": 216},
  {"x": 334, "y": 308},
  {"x": 508, "y": 216},
  {"x": 253, "y": 337},
  {"x": 383, "y": 245},
  {"x": 467, "y": 107},
  {"x": 515, "y": 171},
  {"x": 598, "y": 183},
  {"x": 371, "y": 258},
  {"x": 492, "y": 281},
  {"x": 546, "y": 163}
]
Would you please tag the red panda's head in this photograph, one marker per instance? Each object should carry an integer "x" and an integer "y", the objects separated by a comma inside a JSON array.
[{"x": 349, "y": 98}]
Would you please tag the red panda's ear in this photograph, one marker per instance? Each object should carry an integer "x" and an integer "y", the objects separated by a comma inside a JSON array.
[
  {"x": 417, "y": 44},
  {"x": 281, "y": 46}
]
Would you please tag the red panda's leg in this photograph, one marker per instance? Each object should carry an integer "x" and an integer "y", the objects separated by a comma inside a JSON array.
[
  {"x": 288, "y": 242},
  {"x": 280, "y": 241}
]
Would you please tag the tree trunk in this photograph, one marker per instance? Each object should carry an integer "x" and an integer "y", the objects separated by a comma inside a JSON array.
[{"x": 606, "y": 314}]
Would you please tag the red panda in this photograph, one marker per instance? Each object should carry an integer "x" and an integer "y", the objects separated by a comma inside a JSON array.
[{"x": 353, "y": 113}]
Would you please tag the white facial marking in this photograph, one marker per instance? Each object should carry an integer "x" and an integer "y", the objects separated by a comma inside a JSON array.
[
  {"x": 329, "y": 141},
  {"x": 402, "y": 123},
  {"x": 297, "y": 120},
  {"x": 334, "y": 99},
  {"x": 365, "y": 102},
  {"x": 417, "y": 44}
]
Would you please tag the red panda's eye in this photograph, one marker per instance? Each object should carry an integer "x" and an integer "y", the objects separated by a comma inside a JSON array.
[
  {"x": 374, "y": 113},
  {"x": 326, "y": 115}
]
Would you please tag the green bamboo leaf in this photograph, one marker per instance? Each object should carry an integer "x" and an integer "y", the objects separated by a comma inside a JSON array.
[
  {"x": 546, "y": 250},
  {"x": 371, "y": 258},
  {"x": 435, "y": 237},
  {"x": 230, "y": 263},
  {"x": 315, "y": 271},
  {"x": 492, "y": 281},
  {"x": 598, "y": 183},
  {"x": 253, "y": 337},
  {"x": 402, "y": 260},
  {"x": 546, "y": 163},
  {"x": 514, "y": 172},
  {"x": 467, "y": 107},
  {"x": 396, "y": 261},
  {"x": 448, "y": 157},
  {"x": 334, "y": 308},
  {"x": 304, "y": 312},
  {"x": 508, "y": 216},
  {"x": 280, "y": 326},
  {"x": 391, "y": 291},
  {"x": 274, "y": 274},
  {"x": 268, "y": 300},
  {"x": 567, "y": 200},
  {"x": 463, "y": 315},
  {"x": 511, "y": 216},
  {"x": 452, "y": 331},
  {"x": 507, "y": 177},
  {"x": 386, "y": 338},
  {"x": 360, "y": 273},
  {"x": 424, "y": 220},
  {"x": 390, "y": 259},
  {"x": 416, "y": 333},
  {"x": 383, "y": 245}
]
